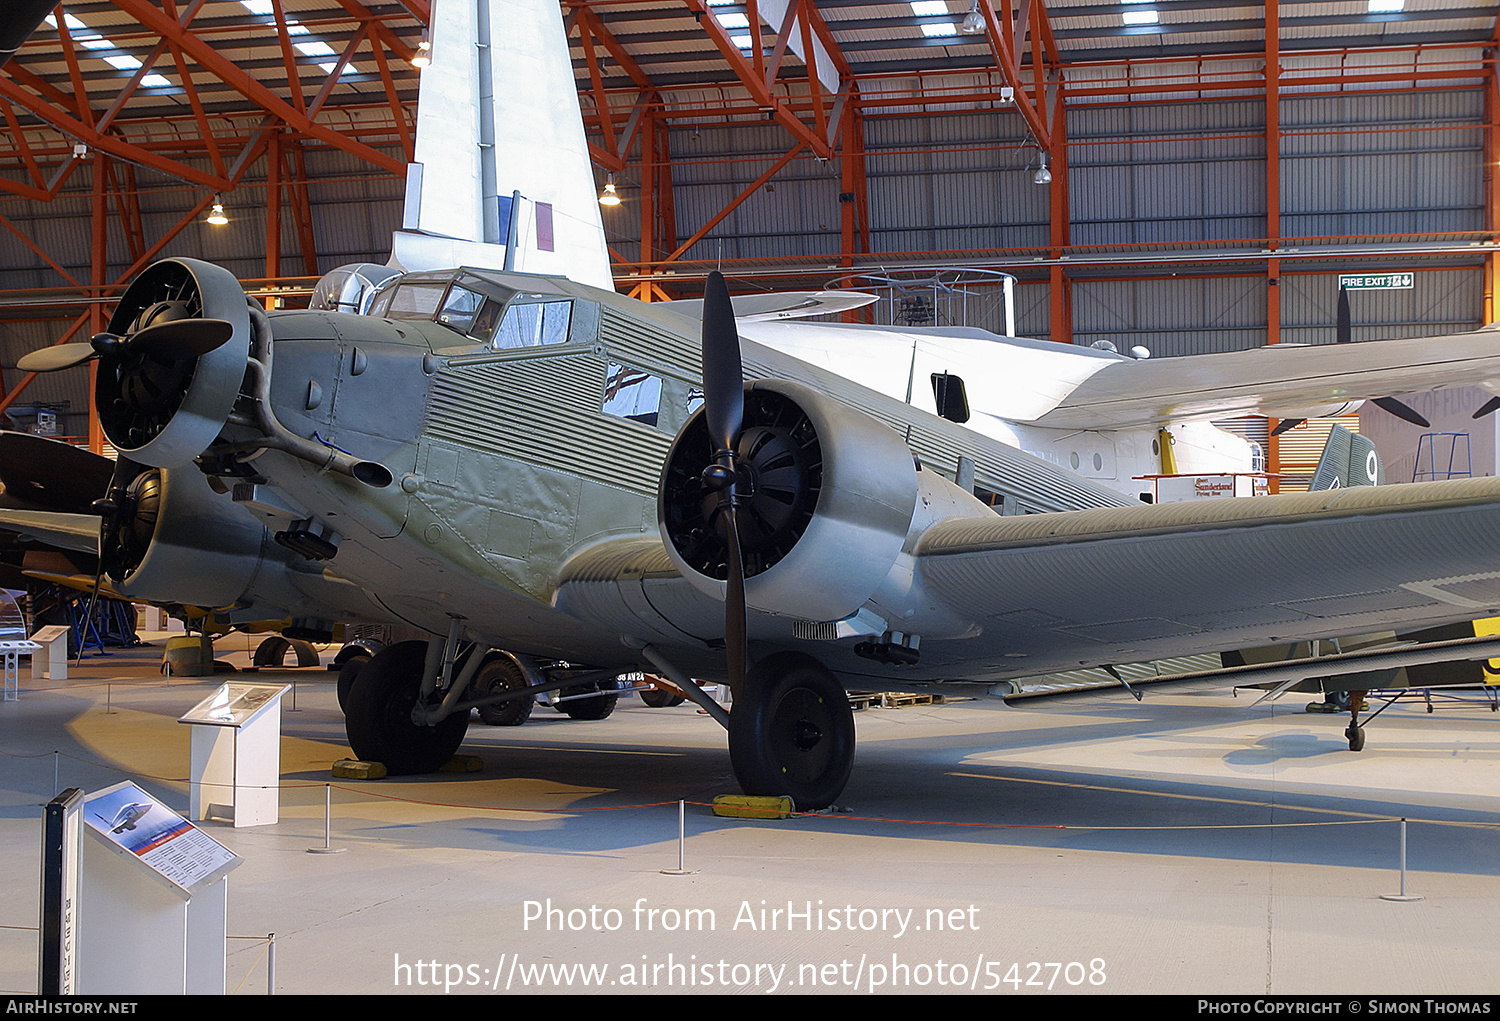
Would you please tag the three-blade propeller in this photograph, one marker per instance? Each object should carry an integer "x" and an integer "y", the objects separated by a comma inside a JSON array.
[
  {"x": 1344, "y": 334},
  {"x": 724, "y": 410},
  {"x": 173, "y": 340}
]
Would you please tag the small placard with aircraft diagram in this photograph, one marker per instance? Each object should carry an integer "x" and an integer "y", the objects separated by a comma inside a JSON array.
[{"x": 138, "y": 826}]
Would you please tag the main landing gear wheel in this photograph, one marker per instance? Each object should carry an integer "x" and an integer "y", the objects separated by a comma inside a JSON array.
[
  {"x": 496, "y": 677},
  {"x": 379, "y": 724},
  {"x": 596, "y": 708},
  {"x": 350, "y": 670},
  {"x": 658, "y": 699},
  {"x": 792, "y": 732}
]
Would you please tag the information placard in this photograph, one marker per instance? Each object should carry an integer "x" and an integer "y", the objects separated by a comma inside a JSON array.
[
  {"x": 136, "y": 824},
  {"x": 234, "y": 705}
]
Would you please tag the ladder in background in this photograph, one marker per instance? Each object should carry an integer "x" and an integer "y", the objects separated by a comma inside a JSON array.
[{"x": 1459, "y": 461}]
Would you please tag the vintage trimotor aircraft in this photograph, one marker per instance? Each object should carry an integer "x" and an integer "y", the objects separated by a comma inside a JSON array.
[
  {"x": 463, "y": 459},
  {"x": 517, "y": 463}
]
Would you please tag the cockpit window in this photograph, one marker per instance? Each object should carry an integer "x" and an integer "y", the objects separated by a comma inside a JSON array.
[
  {"x": 459, "y": 308},
  {"x": 534, "y": 324},
  {"x": 409, "y": 300}
]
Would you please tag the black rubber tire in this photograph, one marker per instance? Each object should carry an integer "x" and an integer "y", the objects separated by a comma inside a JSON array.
[
  {"x": 658, "y": 699},
  {"x": 499, "y": 675},
  {"x": 347, "y": 673},
  {"x": 1356, "y": 736},
  {"x": 792, "y": 732},
  {"x": 378, "y": 721},
  {"x": 590, "y": 708}
]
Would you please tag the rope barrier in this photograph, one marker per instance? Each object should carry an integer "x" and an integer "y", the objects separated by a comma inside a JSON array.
[{"x": 367, "y": 792}]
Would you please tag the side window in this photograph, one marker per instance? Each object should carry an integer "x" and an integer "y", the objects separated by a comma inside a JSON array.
[
  {"x": 534, "y": 324},
  {"x": 633, "y": 394}
]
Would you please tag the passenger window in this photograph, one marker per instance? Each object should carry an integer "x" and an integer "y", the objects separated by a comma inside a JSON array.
[
  {"x": 633, "y": 394},
  {"x": 534, "y": 324}
]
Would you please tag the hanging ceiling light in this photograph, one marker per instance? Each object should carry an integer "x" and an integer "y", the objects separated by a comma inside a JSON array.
[
  {"x": 608, "y": 197},
  {"x": 973, "y": 23},
  {"x": 1042, "y": 175},
  {"x": 216, "y": 215},
  {"x": 423, "y": 56}
]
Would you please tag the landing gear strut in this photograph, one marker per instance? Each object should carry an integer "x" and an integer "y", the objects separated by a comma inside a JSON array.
[{"x": 791, "y": 732}]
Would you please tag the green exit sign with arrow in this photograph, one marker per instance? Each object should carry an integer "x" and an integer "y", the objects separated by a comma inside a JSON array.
[{"x": 1377, "y": 281}]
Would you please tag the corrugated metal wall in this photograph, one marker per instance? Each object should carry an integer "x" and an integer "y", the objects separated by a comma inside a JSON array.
[
  {"x": 1157, "y": 175},
  {"x": 354, "y": 210}
]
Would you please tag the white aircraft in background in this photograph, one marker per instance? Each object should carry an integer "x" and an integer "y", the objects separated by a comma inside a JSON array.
[{"x": 503, "y": 181}]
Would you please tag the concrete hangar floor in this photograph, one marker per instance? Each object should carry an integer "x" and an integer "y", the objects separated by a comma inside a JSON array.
[{"x": 1189, "y": 844}]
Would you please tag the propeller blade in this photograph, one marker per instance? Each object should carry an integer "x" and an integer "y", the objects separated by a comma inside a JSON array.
[
  {"x": 58, "y": 356},
  {"x": 50, "y": 474},
  {"x": 724, "y": 410},
  {"x": 1401, "y": 411},
  {"x": 1489, "y": 407},
  {"x": 1285, "y": 424},
  {"x": 1343, "y": 330},
  {"x": 734, "y": 608},
  {"x": 723, "y": 378},
  {"x": 180, "y": 338}
]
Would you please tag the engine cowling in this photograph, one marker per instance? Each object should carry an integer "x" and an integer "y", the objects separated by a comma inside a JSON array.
[
  {"x": 160, "y": 410},
  {"x": 169, "y": 538},
  {"x": 827, "y": 499}
]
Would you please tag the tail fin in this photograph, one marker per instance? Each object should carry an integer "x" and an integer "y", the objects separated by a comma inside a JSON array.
[
  {"x": 1349, "y": 459},
  {"x": 497, "y": 116}
]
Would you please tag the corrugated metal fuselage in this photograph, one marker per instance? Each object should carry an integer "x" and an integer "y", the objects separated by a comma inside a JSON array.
[{"x": 509, "y": 468}]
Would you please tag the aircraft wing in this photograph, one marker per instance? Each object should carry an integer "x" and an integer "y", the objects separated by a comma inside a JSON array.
[
  {"x": 78, "y": 532},
  {"x": 1279, "y": 380},
  {"x": 776, "y": 305},
  {"x": 1054, "y": 592}
]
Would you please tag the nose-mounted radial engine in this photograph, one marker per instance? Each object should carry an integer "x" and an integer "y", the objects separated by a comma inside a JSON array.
[
  {"x": 170, "y": 364},
  {"x": 177, "y": 357}
]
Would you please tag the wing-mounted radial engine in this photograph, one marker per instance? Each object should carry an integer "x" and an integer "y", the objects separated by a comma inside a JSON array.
[
  {"x": 825, "y": 496},
  {"x": 778, "y": 499},
  {"x": 166, "y": 537}
]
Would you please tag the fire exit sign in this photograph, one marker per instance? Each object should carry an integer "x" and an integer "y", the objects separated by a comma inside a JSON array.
[{"x": 1377, "y": 281}]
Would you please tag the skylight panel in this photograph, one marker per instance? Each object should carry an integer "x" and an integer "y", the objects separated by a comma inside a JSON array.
[
  {"x": 1146, "y": 17},
  {"x": 935, "y": 31},
  {"x": 733, "y": 20},
  {"x": 1386, "y": 6},
  {"x": 123, "y": 61},
  {"x": 315, "y": 48},
  {"x": 74, "y": 25},
  {"x": 928, "y": 8}
]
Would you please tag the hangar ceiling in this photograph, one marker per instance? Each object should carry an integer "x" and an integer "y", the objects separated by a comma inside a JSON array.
[{"x": 126, "y": 119}]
